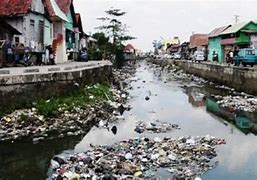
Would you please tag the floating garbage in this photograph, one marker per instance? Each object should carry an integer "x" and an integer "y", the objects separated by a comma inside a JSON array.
[
  {"x": 147, "y": 98},
  {"x": 156, "y": 127},
  {"x": 244, "y": 103},
  {"x": 28, "y": 123},
  {"x": 183, "y": 157}
]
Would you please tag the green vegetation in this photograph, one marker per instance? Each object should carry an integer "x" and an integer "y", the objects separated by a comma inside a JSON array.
[
  {"x": 113, "y": 36},
  {"x": 90, "y": 95}
]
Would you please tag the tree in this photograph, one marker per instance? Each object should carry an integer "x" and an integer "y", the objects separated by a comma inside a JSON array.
[
  {"x": 104, "y": 46},
  {"x": 116, "y": 31}
]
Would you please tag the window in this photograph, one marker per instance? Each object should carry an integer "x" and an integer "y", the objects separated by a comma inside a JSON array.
[
  {"x": 41, "y": 31},
  {"x": 32, "y": 29},
  {"x": 32, "y": 22},
  {"x": 250, "y": 52}
]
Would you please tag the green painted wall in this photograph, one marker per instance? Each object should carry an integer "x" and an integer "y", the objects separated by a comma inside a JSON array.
[
  {"x": 70, "y": 39},
  {"x": 243, "y": 37},
  {"x": 69, "y": 25},
  {"x": 214, "y": 45}
]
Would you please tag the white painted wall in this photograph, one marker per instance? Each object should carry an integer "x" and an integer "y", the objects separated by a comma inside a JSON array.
[
  {"x": 61, "y": 56},
  {"x": 254, "y": 41}
]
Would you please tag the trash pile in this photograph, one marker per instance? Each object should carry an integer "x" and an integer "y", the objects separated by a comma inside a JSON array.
[
  {"x": 244, "y": 103},
  {"x": 29, "y": 123},
  {"x": 157, "y": 127},
  {"x": 180, "y": 75},
  {"x": 140, "y": 158}
]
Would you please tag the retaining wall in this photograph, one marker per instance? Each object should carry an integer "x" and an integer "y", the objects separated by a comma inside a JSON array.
[
  {"x": 241, "y": 78},
  {"x": 19, "y": 91}
]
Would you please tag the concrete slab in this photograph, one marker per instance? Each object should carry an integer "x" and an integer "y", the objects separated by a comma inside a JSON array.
[{"x": 70, "y": 66}]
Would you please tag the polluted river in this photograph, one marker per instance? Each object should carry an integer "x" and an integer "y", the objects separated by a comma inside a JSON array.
[{"x": 165, "y": 112}]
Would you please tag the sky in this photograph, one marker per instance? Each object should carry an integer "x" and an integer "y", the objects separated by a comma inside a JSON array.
[{"x": 151, "y": 20}]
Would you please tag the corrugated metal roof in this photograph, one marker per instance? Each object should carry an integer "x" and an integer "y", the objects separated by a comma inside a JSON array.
[
  {"x": 14, "y": 7},
  {"x": 235, "y": 28},
  {"x": 217, "y": 31}
]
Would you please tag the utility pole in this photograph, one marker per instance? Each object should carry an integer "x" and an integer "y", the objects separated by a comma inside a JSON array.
[{"x": 236, "y": 18}]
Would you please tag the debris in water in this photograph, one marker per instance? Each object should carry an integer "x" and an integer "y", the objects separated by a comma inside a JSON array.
[{"x": 184, "y": 158}]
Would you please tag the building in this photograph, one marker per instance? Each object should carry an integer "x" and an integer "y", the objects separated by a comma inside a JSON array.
[
  {"x": 175, "y": 41},
  {"x": 28, "y": 18},
  {"x": 71, "y": 28},
  {"x": 214, "y": 44},
  {"x": 40, "y": 25},
  {"x": 80, "y": 36},
  {"x": 198, "y": 42},
  {"x": 129, "y": 52},
  {"x": 241, "y": 35},
  {"x": 7, "y": 32},
  {"x": 57, "y": 34}
]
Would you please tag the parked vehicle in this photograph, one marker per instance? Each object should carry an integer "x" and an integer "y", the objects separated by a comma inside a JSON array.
[
  {"x": 167, "y": 56},
  {"x": 246, "y": 56},
  {"x": 83, "y": 56},
  {"x": 198, "y": 56},
  {"x": 177, "y": 56}
]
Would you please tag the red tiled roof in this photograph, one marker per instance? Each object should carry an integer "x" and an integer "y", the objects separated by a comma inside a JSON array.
[
  {"x": 49, "y": 7},
  {"x": 79, "y": 22},
  {"x": 64, "y": 5},
  {"x": 14, "y": 7},
  {"x": 198, "y": 40},
  {"x": 129, "y": 47}
]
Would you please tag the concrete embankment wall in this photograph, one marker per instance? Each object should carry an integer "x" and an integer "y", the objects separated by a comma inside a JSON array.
[
  {"x": 19, "y": 91},
  {"x": 240, "y": 78}
]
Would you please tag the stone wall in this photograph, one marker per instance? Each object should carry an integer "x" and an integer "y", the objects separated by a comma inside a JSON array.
[
  {"x": 240, "y": 78},
  {"x": 21, "y": 90}
]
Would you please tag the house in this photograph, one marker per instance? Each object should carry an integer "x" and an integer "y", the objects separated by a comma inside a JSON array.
[
  {"x": 81, "y": 38},
  {"x": 241, "y": 35},
  {"x": 7, "y": 32},
  {"x": 56, "y": 37},
  {"x": 175, "y": 41},
  {"x": 71, "y": 27},
  {"x": 129, "y": 52},
  {"x": 214, "y": 44},
  {"x": 28, "y": 18},
  {"x": 198, "y": 42}
]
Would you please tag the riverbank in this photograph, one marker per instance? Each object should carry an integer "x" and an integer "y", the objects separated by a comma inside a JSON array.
[
  {"x": 21, "y": 86},
  {"x": 236, "y": 107},
  {"x": 240, "y": 78},
  {"x": 170, "y": 101},
  {"x": 70, "y": 114}
]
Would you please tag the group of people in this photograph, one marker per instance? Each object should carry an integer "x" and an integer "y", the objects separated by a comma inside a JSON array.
[
  {"x": 21, "y": 55},
  {"x": 230, "y": 56}
]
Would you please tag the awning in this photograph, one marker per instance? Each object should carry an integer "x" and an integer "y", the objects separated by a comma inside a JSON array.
[
  {"x": 228, "y": 41},
  {"x": 10, "y": 28}
]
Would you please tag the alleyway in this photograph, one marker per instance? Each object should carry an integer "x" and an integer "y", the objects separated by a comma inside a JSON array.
[{"x": 169, "y": 102}]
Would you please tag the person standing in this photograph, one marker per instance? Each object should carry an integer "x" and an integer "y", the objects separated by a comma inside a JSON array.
[
  {"x": 231, "y": 55},
  {"x": 9, "y": 53}
]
